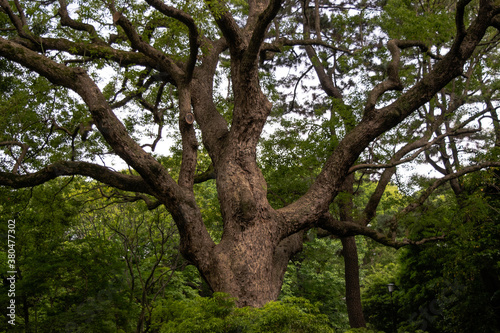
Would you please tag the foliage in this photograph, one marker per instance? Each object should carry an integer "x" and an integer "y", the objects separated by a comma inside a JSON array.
[
  {"x": 451, "y": 285},
  {"x": 85, "y": 267},
  {"x": 317, "y": 275},
  {"x": 220, "y": 314},
  {"x": 62, "y": 281}
]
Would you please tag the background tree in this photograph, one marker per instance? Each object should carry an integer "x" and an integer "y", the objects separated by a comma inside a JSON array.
[
  {"x": 438, "y": 126},
  {"x": 159, "y": 84},
  {"x": 64, "y": 281},
  {"x": 88, "y": 263},
  {"x": 445, "y": 286}
]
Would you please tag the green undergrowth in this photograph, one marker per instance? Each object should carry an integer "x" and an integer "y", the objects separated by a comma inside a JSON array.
[{"x": 220, "y": 314}]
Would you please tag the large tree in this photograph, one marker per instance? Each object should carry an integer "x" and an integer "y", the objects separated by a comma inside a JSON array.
[{"x": 167, "y": 61}]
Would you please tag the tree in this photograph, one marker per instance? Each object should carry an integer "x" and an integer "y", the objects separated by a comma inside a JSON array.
[
  {"x": 64, "y": 280},
  {"x": 451, "y": 285},
  {"x": 157, "y": 80}
]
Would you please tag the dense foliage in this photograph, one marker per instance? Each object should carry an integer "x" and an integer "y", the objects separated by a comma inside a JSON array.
[{"x": 452, "y": 285}]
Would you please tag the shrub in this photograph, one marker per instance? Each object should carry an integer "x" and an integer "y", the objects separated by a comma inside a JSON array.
[{"x": 219, "y": 314}]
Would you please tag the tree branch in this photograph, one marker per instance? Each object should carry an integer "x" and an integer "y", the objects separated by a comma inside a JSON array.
[
  {"x": 24, "y": 150},
  {"x": 205, "y": 175},
  {"x": 441, "y": 181},
  {"x": 459, "y": 18},
  {"x": 19, "y": 22},
  {"x": 189, "y": 141},
  {"x": 277, "y": 45},
  {"x": 414, "y": 145},
  {"x": 108, "y": 124},
  {"x": 98, "y": 51},
  {"x": 392, "y": 82},
  {"x": 164, "y": 63},
  {"x": 69, "y": 168},
  {"x": 226, "y": 23},
  {"x": 259, "y": 31},
  {"x": 346, "y": 228},
  {"x": 67, "y": 21},
  {"x": 306, "y": 210},
  {"x": 150, "y": 204},
  {"x": 193, "y": 32}
]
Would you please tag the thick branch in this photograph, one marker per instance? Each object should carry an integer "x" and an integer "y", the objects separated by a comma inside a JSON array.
[
  {"x": 392, "y": 82},
  {"x": 67, "y": 168},
  {"x": 260, "y": 29},
  {"x": 98, "y": 51},
  {"x": 179, "y": 201},
  {"x": 226, "y": 23},
  {"x": 189, "y": 141},
  {"x": 214, "y": 127},
  {"x": 459, "y": 18},
  {"x": 305, "y": 211}
]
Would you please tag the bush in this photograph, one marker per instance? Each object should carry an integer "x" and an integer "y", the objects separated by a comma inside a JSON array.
[{"x": 219, "y": 314}]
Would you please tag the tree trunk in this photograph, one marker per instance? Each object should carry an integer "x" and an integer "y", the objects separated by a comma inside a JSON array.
[
  {"x": 350, "y": 253},
  {"x": 352, "y": 287},
  {"x": 26, "y": 313},
  {"x": 250, "y": 268}
]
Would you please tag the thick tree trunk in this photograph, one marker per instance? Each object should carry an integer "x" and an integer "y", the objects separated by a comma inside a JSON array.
[{"x": 249, "y": 267}]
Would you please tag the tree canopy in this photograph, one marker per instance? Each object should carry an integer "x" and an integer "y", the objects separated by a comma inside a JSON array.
[{"x": 349, "y": 91}]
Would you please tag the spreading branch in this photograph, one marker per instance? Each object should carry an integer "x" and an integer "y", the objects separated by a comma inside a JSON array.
[
  {"x": 347, "y": 228},
  {"x": 67, "y": 21},
  {"x": 188, "y": 21},
  {"x": 441, "y": 181},
  {"x": 24, "y": 150},
  {"x": 424, "y": 145},
  {"x": 393, "y": 82},
  {"x": 259, "y": 31},
  {"x": 70, "y": 168},
  {"x": 163, "y": 62},
  {"x": 307, "y": 209},
  {"x": 228, "y": 26}
]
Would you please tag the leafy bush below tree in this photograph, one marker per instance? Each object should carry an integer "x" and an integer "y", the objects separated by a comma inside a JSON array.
[{"x": 219, "y": 314}]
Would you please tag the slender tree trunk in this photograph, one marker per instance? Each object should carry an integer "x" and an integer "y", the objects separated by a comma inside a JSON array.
[
  {"x": 352, "y": 287},
  {"x": 26, "y": 313},
  {"x": 351, "y": 270}
]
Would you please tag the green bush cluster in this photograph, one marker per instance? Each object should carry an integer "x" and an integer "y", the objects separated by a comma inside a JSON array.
[{"x": 219, "y": 314}]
